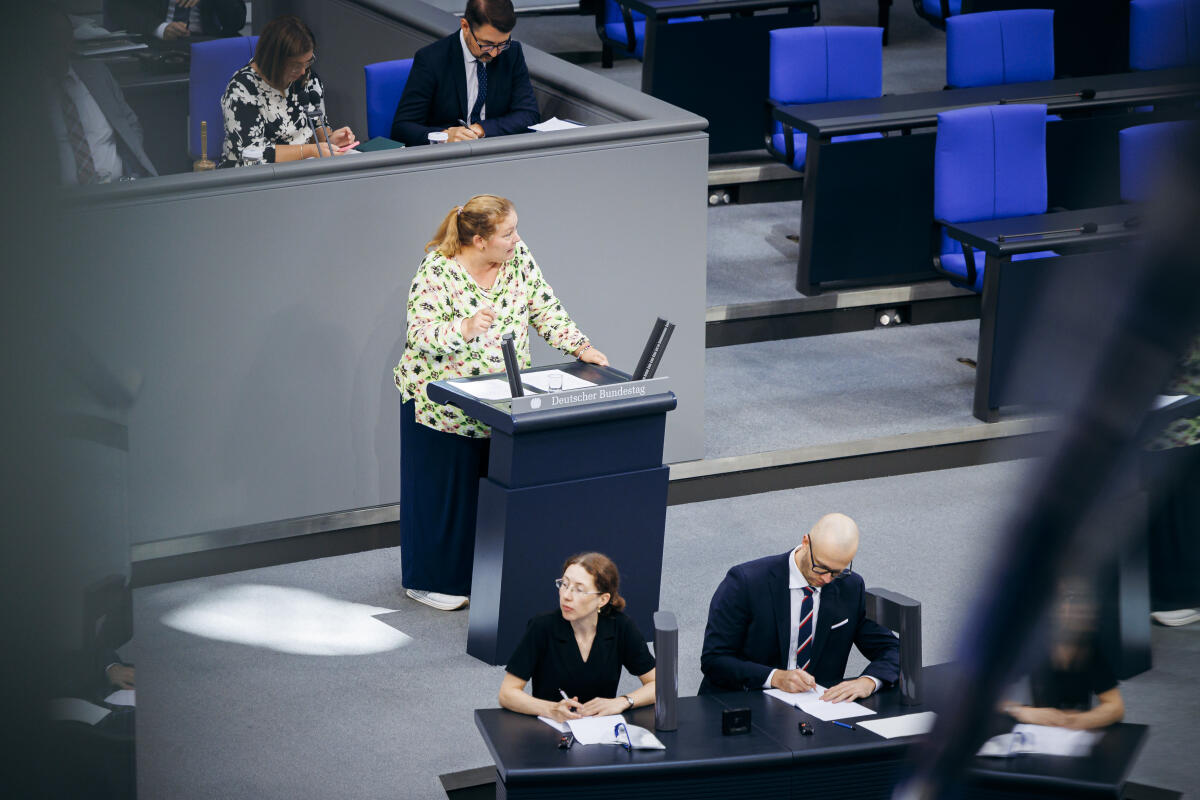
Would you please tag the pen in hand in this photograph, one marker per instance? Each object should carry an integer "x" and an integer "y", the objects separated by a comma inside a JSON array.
[{"x": 465, "y": 125}]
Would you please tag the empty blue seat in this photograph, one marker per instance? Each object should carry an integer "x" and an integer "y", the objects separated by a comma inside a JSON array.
[
  {"x": 212, "y": 65},
  {"x": 385, "y": 84},
  {"x": 817, "y": 65},
  {"x": 989, "y": 163},
  {"x": 615, "y": 25},
  {"x": 937, "y": 11},
  {"x": 1163, "y": 33},
  {"x": 997, "y": 47},
  {"x": 1145, "y": 151}
]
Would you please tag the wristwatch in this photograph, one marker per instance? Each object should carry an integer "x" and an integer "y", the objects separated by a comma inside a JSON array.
[{"x": 628, "y": 699}]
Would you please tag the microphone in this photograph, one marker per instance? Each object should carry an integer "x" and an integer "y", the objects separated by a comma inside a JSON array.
[
  {"x": 510, "y": 365},
  {"x": 1085, "y": 228},
  {"x": 647, "y": 365},
  {"x": 1084, "y": 94}
]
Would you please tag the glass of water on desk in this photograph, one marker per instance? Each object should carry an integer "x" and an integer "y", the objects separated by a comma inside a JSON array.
[{"x": 554, "y": 381}]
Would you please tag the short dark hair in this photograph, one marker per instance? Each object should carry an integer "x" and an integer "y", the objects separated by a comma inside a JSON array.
[
  {"x": 500, "y": 14},
  {"x": 281, "y": 39}
]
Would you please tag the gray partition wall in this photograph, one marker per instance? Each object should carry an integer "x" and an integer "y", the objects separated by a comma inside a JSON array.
[{"x": 260, "y": 311}]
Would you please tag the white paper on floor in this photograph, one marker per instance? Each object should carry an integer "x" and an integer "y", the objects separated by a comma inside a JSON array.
[{"x": 287, "y": 619}]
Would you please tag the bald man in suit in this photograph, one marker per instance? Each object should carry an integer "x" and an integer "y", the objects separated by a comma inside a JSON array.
[{"x": 788, "y": 621}]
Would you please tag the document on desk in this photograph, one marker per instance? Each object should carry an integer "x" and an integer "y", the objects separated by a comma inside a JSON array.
[
  {"x": 810, "y": 702},
  {"x": 74, "y": 709},
  {"x": 1042, "y": 740},
  {"x": 541, "y": 380},
  {"x": 490, "y": 389},
  {"x": 561, "y": 727},
  {"x": 554, "y": 124},
  {"x": 906, "y": 725},
  {"x": 122, "y": 697},
  {"x": 603, "y": 730}
]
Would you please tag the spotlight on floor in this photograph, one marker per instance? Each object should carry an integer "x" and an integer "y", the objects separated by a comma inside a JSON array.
[{"x": 288, "y": 620}]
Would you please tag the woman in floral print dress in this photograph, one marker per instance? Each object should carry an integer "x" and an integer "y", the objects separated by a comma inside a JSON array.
[
  {"x": 265, "y": 102},
  {"x": 477, "y": 282}
]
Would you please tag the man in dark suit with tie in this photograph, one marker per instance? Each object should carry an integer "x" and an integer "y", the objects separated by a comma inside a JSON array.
[
  {"x": 788, "y": 621},
  {"x": 476, "y": 75},
  {"x": 179, "y": 19}
]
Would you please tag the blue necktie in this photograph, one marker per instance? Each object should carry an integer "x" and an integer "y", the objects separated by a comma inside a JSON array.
[
  {"x": 805, "y": 635},
  {"x": 481, "y": 74}
]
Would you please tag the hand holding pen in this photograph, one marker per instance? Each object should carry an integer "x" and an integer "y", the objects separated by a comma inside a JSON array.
[{"x": 567, "y": 708}]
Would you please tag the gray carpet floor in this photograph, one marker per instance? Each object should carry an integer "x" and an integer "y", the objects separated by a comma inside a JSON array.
[
  {"x": 838, "y": 388},
  {"x": 224, "y": 720}
]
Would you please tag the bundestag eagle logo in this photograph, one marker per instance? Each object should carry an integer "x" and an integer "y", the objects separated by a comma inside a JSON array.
[{"x": 535, "y": 402}]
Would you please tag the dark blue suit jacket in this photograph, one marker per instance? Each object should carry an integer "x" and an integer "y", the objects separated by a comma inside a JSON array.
[
  {"x": 749, "y": 621},
  {"x": 435, "y": 97}
]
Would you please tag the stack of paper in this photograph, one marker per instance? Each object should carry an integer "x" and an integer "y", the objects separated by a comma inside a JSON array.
[
  {"x": 554, "y": 124},
  {"x": 490, "y": 389},
  {"x": 810, "y": 702},
  {"x": 602, "y": 730},
  {"x": 541, "y": 380}
]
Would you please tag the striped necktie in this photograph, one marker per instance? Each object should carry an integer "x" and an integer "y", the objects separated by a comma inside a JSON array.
[
  {"x": 481, "y": 74},
  {"x": 85, "y": 167},
  {"x": 805, "y": 635}
]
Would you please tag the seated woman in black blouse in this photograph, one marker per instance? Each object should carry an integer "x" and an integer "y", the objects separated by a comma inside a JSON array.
[
  {"x": 1074, "y": 672},
  {"x": 578, "y": 651},
  {"x": 265, "y": 102}
]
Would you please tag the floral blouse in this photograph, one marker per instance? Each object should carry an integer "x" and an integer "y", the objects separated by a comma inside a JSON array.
[
  {"x": 1183, "y": 432},
  {"x": 259, "y": 115},
  {"x": 443, "y": 294}
]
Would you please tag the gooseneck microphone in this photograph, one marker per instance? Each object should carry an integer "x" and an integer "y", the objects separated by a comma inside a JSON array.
[
  {"x": 660, "y": 335},
  {"x": 1085, "y": 228},
  {"x": 1084, "y": 94},
  {"x": 510, "y": 365}
]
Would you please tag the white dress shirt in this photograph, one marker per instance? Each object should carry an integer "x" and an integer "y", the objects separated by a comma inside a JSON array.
[
  {"x": 796, "y": 584},
  {"x": 193, "y": 20},
  {"x": 99, "y": 133},
  {"x": 472, "y": 78}
]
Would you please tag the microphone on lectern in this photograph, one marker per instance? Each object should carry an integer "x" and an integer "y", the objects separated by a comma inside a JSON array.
[{"x": 510, "y": 365}]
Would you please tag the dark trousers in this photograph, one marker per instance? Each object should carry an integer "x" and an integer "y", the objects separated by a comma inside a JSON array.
[{"x": 439, "y": 491}]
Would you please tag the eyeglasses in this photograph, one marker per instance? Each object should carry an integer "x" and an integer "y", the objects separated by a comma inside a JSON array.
[
  {"x": 491, "y": 47},
  {"x": 820, "y": 569},
  {"x": 563, "y": 583},
  {"x": 303, "y": 64},
  {"x": 618, "y": 729}
]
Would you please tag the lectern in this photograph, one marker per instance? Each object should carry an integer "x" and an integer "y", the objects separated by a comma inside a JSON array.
[{"x": 570, "y": 470}]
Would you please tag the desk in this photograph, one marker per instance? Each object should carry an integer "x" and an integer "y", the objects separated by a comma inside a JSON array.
[
  {"x": 886, "y": 185},
  {"x": 1012, "y": 289},
  {"x": 681, "y": 67},
  {"x": 774, "y": 760}
]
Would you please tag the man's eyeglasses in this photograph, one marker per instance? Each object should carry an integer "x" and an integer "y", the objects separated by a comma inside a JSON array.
[
  {"x": 491, "y": 47},
  {"x": 563, "y": 583},
  {"x": 820, "y": 569}
]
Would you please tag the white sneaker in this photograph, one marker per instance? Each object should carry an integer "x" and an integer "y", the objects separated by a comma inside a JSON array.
[
  {"x": 1184, "y": 616},
  {"x": 442, "y": 602}
]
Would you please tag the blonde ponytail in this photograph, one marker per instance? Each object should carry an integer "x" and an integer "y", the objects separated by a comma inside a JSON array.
[{"x": 479, "y": 216}]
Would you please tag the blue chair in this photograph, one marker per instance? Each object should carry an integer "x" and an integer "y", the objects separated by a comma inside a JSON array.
[
  {"x": 816, "y": 65},
  {"x": 1145, "y": 149},
  {"x": 385, "y": 84},
  {"x": 624, "y": 28},
  {"x": 996, "y": 47},
  {"x": 213, "y": 64},
  {"x": 989, "y": 163},
  {"x": 936, "y": 12},
  {"x": 1163, "y": 33}
]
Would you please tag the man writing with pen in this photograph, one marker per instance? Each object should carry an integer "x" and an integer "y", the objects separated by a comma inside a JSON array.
[{"x": 472, "y": 84}]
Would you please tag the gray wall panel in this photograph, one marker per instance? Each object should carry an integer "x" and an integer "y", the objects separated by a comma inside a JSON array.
[{"x": 264, "y": 320}]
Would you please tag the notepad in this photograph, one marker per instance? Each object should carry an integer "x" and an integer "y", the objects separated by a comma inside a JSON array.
[
  {"x": 561, "y": 727},
  {"x": 121, "y": 697},
  {"x": 601, "y": 730},
  {"x": 1040, "y": 739},
  {"x": 810, "y": 702}
]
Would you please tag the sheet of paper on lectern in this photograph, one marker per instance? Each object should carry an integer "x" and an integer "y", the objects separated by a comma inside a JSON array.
[
  {"x": 810, "y": 702},
  {"x": 541, "y": 380},
  {"x": 554, "y": 124},
  {"x": 490, "y": 389},
  {"x": 561, "y": 727}
]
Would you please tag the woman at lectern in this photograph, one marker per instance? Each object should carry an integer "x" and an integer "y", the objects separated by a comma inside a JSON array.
[
  {"x": 478, "y": 281},
  {"x": 574, "y": 655}
]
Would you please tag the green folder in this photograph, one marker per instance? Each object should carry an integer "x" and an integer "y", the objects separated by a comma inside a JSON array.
[{"x": 379, "y": 143}]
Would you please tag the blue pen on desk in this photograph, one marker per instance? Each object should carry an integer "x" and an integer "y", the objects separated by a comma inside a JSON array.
[{"x": 844, "y": 725}]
